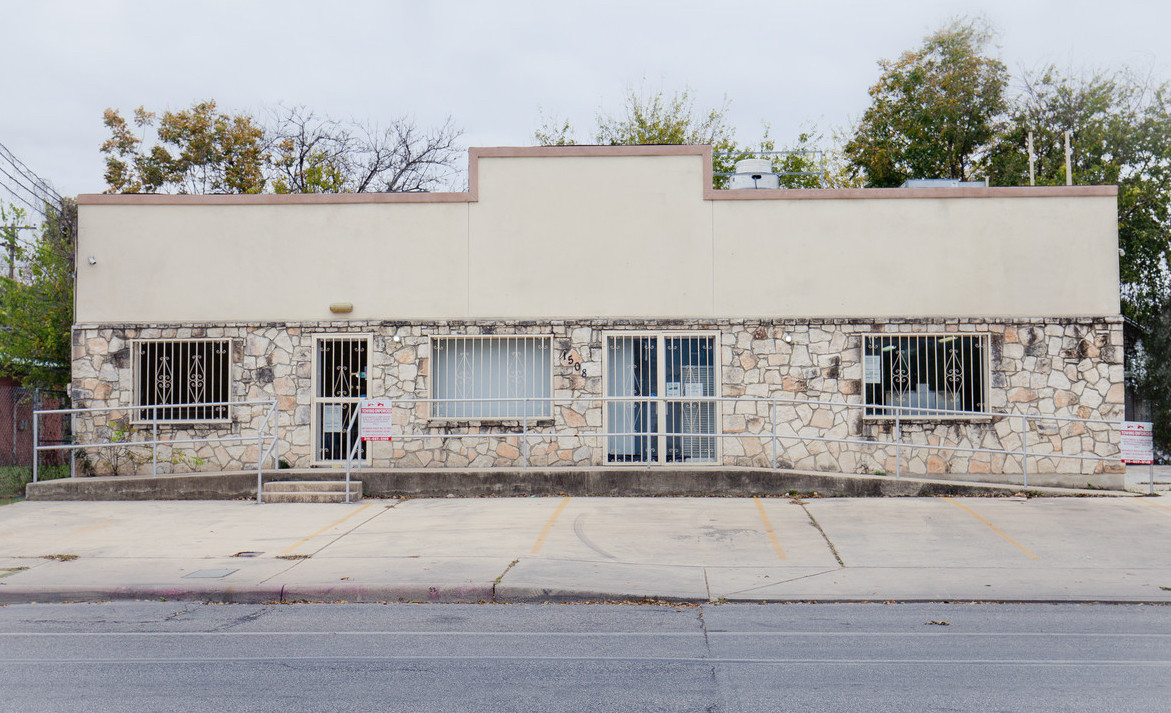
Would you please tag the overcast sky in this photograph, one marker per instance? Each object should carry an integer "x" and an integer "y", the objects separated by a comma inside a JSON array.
[{"x": 494, "y": 67}]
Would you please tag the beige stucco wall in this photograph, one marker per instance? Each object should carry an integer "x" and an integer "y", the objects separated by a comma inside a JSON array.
[{"x": 547, "y": 234}]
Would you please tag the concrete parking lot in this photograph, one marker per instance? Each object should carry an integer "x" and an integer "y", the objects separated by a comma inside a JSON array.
[{"x": 587, "y": 549}]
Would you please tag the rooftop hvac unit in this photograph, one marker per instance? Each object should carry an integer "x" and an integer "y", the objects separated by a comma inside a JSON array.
[{"x": 754, "y": 173}]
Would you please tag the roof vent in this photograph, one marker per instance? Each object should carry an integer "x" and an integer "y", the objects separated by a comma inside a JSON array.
[{"x": 754, "y": 173}]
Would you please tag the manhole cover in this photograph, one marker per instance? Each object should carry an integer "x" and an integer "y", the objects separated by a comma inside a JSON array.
[{"x": 210, "y": 573}]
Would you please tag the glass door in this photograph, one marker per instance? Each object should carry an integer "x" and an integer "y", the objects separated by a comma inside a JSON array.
[
  {"x": 339, "y": 374},
  {"x": 660, "y": 386},
  {"x": 690, "y": 377},
  {"x": 633, "y": 415}
]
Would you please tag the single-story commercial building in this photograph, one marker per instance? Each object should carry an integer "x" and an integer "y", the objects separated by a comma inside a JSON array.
[{"x": 596, "y": 306}]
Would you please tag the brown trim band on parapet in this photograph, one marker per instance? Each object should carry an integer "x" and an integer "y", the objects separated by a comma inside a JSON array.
[{"x": 472, "y": 195}]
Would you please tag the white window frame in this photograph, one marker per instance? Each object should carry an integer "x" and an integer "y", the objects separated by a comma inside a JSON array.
[
  {"x": 315, "y": 400},
  {"x": 434, "y": 370},
  {"x": 967, "y": 416},
  {"x": 142, "y": 411},
  {"x": 662, "y": 398}
]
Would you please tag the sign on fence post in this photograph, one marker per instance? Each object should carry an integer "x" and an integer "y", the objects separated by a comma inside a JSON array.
[
  {"x": 1138, "y": 446},
  {"x": 375, "y": 421}
]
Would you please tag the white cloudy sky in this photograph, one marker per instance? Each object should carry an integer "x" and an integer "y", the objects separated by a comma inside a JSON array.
[{"x": 495, "y": 66}]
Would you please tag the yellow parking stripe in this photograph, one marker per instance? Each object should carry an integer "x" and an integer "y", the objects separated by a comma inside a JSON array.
[
  {"x": 1148, "y": 502},
  {"x": 768, "y": 528},
  {"x": 548, "y": 527},
  {"x": 326, "y": 528},
  {"x": 994, "y": 528}
]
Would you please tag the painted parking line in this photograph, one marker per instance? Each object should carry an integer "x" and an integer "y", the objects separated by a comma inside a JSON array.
[
  {"x": 548, "y": 527},
  {"x": 994, "y": 528},
  {"x": 768, "y": 528},
  {"x": 326, "y": 529},
  {"x": 1147, "y": 501}
]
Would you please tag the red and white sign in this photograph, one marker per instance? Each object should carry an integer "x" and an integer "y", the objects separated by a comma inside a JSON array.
[
  {"x": 1138, "y": 445},
  {"x": 375, "y": 420}
]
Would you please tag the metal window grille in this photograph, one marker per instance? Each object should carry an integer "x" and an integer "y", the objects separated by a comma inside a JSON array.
[
  {"x": 928, "y": 375},
  {"x": 659, "y": 414},
  {"x": 179, "y": 376},
  {"x": 341, "y": 379},
  {"x": 474, "y": 376}
]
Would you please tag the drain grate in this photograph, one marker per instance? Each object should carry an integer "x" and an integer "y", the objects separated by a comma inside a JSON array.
[
  {"x": 247, "y": 553},
  {"x": 210, "y": 573}
]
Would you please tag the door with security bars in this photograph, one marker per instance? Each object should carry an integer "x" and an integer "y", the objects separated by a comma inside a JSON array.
[
  {"x": 660, "y": 409},
  {"x": 340, "y": 382},
  {"x": 690, "y": 373}
]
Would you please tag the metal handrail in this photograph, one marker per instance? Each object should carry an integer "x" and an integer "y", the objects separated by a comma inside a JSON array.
[
  {"x": 918, "y": 414},
  {"x": 262, "y": 453},
  {"x": 897, "y": 415}
]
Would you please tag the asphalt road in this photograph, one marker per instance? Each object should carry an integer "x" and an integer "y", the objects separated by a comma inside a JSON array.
[{"x": 156, "y": 656}]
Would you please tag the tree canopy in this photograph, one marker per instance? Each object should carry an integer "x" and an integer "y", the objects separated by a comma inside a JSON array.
[
  {"x": 36, "y": 303},
  {"x": 294, "y": 150},
  {"x": 656, "y": 119},
  {"x": 1120, "y": 129},
  {"x": 933, "y": 111}
]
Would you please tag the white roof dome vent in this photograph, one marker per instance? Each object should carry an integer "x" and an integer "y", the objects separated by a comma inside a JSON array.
[{"x": 754, "y": 173}]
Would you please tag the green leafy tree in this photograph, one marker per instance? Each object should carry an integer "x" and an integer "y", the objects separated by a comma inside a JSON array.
[
  {"x": 1120, "y": 130},
  {"x": 199, "y": 150},
  {"x": 656, "y": 119},
  {"x": 1120, "y": 134},
  {"x": 36, "y": 303},
  {"x": 933, "y": 111}
]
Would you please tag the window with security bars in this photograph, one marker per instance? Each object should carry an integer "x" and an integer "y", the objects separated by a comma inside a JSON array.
[
  {"x": 182, "y": 380},
  {"x": 479, "y": 377},
  {"x": 340, "y": 383},
  {"x": 925, "y": 375}
]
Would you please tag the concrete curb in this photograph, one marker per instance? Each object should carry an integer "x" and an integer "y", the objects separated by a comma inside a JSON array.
[
  {"x": 576, "y": 482},
  {"x": 466, "y": 594}
]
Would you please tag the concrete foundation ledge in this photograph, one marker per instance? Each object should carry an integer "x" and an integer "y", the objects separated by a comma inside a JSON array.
[{"x": 612, "y": 482}]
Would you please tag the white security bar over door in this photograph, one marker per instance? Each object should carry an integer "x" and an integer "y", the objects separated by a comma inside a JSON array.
[
  {"x": 340, "y": 382},
  {"x": 690, "y": 375},
  {"x": 661, "y": 386},
  {"x": 632, "y": 376}
]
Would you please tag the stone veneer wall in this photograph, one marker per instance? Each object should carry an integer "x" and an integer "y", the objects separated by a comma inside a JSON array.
[{"x": 1051, "y": 367}]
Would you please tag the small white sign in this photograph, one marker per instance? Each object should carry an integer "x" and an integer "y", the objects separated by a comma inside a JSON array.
[
  {"x": 872, "y": 366},
  {"x": 375, "y": 420},
  {"x": 672, "y": 388},
  {"x": 1138, "y": 444},
  {"x": 693, "y": 390},
  {"x": 331, "y": 418}
]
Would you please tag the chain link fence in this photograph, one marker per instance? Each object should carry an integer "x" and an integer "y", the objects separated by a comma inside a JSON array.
[{"x": 16, "y": 435}]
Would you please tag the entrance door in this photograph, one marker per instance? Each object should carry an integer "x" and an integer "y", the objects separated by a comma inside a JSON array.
[
  {"x": 659, "y": 385},
  {"x": 340, "y": 376}
]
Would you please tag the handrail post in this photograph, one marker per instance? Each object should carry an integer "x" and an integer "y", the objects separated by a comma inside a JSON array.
[
  {"x": 36, "y": 440},
  {"x": 524, "y": 436},
  {"x": 1025, "y": 448},
  {"x": 898, "y": 443},
  {"x": 154, "y": 438},
  {"x": 259, "y": 455},
  {"x": 773, "y": 418},
  {"x": 276, "y": 436}
]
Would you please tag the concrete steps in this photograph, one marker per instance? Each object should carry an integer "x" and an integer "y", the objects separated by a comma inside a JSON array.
[{"x": 311, "y": 491}]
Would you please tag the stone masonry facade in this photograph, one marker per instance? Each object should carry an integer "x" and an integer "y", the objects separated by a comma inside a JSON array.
[{"x": 782, "y": 381}]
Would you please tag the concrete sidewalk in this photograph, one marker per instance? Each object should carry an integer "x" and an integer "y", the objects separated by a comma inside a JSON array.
[{"x": 584, "y": 549}]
